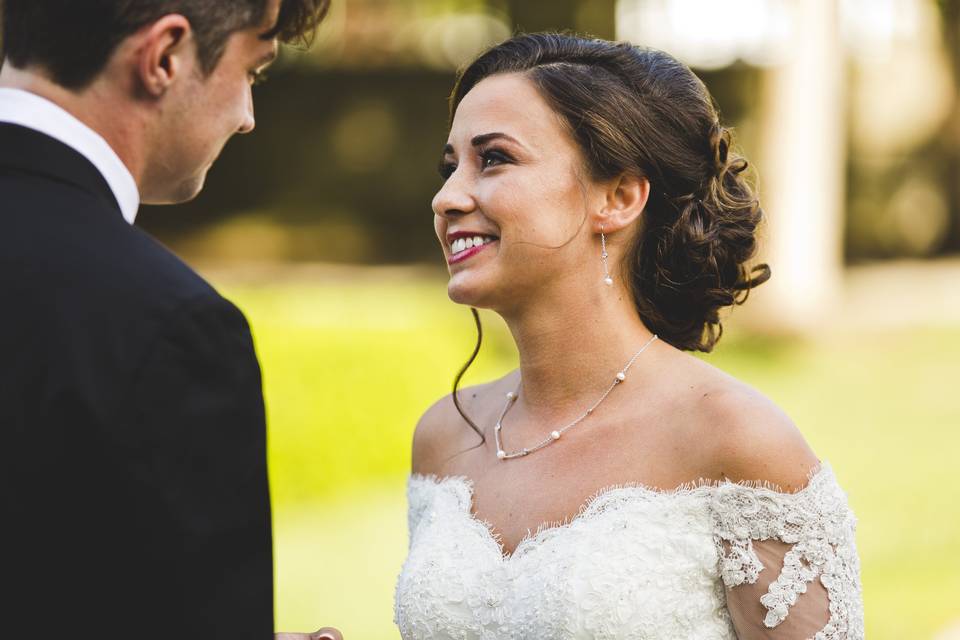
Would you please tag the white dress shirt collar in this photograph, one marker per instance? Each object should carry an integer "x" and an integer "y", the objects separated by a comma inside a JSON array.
[{"x": 33, "y": 112}]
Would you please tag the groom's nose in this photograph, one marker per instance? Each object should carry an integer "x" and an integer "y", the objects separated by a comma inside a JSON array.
[{"x": 248, "y": 123}]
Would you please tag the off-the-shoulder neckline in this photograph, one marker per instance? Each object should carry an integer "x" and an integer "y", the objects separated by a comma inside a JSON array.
[
  {"x": 817, "y": 476},
  {"x": 822, "y": 470}
]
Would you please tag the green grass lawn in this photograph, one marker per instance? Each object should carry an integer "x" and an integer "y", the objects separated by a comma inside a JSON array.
[{"x": 349, "y": 366}]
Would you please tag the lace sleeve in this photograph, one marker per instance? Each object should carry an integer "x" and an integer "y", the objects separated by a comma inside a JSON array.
[{"x": 789, "y": 561}]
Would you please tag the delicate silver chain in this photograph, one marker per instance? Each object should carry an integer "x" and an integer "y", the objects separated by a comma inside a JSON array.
[
  {"x": 607, "y": 280},
  {"x": 556, "y": 433}
]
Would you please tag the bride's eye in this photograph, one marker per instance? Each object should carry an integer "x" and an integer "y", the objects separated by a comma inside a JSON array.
[
  {"x": 493, "y": 157},
  {"x": 446, "y": 169}
]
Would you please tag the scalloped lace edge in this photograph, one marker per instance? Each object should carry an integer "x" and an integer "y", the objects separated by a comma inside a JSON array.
[{"x": 816, "y": 475}]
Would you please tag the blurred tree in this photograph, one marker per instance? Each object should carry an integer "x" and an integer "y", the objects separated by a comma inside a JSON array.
[
  {"x": 593, "y": 17},
  {"x": 949, "y": 139},
  {"x": 530, "y": 16},
  {"x": 342, "y": 165}
]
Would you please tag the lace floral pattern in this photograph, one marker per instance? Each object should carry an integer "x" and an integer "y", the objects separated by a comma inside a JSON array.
[
  {"x": 634, "y": 563},
  {"x": 818, "y": 523}
]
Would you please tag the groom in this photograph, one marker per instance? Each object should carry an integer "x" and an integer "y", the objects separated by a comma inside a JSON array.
[{"x": 133, "y": 481}]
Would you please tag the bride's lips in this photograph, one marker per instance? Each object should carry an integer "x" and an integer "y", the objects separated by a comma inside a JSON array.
[
  {"x": 466, "y": 254},
  {"x": 457, "y": 241}
]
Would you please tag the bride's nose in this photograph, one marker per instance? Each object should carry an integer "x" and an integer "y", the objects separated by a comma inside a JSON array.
[{"x": 455, "y": 196}]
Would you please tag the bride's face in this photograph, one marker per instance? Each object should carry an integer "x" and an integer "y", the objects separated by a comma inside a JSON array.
[{"x": 513, "y": 180}]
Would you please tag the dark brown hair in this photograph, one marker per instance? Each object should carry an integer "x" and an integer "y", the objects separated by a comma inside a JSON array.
[
  {"x": 635, "y": 110},
  {"x": 73, "y": 40}
]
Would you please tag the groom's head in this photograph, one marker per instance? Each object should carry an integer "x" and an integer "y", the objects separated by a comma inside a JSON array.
[{"x": 167, "y": 81}]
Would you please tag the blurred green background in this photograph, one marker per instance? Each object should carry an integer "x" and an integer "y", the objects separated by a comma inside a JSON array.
[
  {"x": 349, "y": 366},
  {"x": 319, "y": 226}
]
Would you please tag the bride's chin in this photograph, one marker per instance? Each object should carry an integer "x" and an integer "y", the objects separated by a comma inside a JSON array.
[
  {"x": 465, "y": 289},
  {"x": 461, "y": 295}
]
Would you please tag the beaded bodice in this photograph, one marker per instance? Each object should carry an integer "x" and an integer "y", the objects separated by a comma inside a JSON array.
[{"x": 634, "y": 563}]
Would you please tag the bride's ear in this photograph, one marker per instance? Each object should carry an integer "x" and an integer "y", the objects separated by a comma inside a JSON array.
[{"x": 625, "y": 198}]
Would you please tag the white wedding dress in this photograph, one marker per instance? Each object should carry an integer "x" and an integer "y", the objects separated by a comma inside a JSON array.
[{"x": 709, "y": 561}]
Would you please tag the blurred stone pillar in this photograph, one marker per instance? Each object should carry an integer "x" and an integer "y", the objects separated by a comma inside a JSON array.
[{"x": 802, "y": 173}]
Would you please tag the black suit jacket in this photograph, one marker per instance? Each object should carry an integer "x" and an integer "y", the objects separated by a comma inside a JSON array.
[{"x": 133, "y": 472}]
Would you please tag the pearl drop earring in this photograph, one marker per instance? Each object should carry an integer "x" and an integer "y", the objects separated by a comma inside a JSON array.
[{"x": 607, "y": 280}]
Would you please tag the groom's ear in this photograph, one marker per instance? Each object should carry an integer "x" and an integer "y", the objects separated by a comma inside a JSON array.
[{"x": 165, "y": 52}]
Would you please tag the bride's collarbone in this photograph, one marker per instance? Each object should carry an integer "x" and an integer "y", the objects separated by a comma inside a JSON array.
[
  {"x": 649, "y": 444},
  {"x": 640, "y": 447}
]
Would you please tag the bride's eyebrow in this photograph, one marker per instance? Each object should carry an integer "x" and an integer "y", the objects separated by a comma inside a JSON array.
[{"x": 482, "y": 139}]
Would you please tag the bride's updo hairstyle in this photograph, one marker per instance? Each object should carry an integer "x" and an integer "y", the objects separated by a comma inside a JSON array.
[{"x": 634, "y": 110}]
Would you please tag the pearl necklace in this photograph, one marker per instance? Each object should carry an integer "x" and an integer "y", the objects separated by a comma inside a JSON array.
[{"x": 556, "y": 433}]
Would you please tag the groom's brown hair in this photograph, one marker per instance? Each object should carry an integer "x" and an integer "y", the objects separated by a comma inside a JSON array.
[{"x": 73, "y": 39}]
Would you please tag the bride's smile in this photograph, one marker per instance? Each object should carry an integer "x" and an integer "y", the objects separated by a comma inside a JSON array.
[{"x": 511, "y": 173}]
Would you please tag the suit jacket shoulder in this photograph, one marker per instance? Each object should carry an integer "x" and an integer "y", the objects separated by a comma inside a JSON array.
[{"x": 74, "y": 268}]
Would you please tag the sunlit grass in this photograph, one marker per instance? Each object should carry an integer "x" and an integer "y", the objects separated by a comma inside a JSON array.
[{"x": 349, "y": 365}]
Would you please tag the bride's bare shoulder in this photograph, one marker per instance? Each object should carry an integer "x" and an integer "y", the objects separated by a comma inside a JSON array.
[
  {"x": 745, "y": 435},
  {"x": 442, "y": 432}
]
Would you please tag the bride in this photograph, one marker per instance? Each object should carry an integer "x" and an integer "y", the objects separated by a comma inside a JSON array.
[{"x": 614, "y": 486}]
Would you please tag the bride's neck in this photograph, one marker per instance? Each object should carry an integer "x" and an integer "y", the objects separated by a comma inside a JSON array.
[{"x": 570, "y": 350}]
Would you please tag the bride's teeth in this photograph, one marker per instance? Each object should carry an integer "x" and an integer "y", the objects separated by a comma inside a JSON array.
[{"x": 462, "y": 244}]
